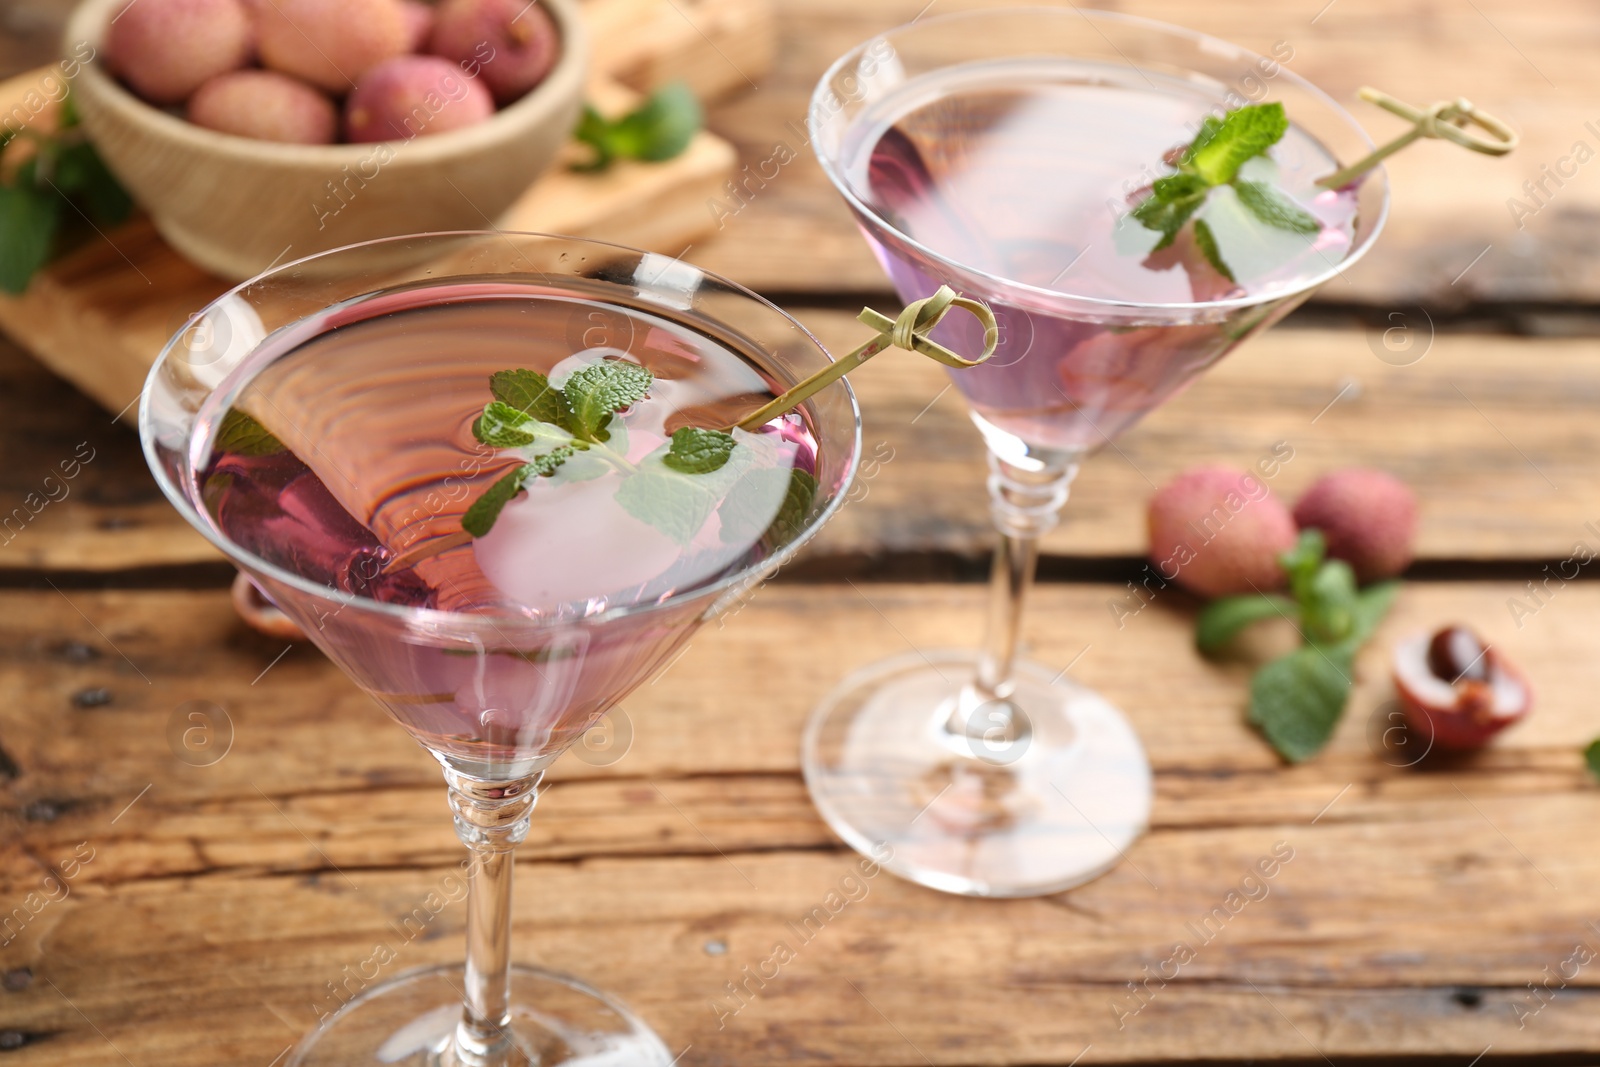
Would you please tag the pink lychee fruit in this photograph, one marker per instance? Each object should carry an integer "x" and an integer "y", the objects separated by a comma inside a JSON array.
[
  {"x": 166, "y": 49},
  {"x": 414, "y": 96},
  {"x": 266, "y": 106},
  {"x": 330, "y": 43},
  {"x": 1218, "y": 531},
  {"x": 1369, "y": 518},
  {"x": 1457, "y": 691},
  {"x": 511, "y": 44},
  {"x": 419, "y": 24}
]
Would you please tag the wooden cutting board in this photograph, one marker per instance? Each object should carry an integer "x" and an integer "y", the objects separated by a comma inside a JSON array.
[{"x": 99, "y": 316}]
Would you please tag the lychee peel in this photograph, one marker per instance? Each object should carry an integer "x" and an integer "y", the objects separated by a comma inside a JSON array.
[
  {"x": 1369, "y": 518},
  {"x": 1218, "y": 531},
  {"x": 266, "y": 106},
  {"x": 330, "y": 43},
  {"x": 166, "y": 49},
  {"x": 414, "y": 96}
]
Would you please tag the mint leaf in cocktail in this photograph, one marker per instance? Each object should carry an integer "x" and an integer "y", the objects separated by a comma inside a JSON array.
[
  {"x": 1172, "y": 201},
  {"x": 530, "y": 393},
  {"x": 1220, "y": 157},
  {"x": 1275, "y": 208},
  {"x": 503, "y": 426},
  {"x": 697, "y": 451},
  {"x": 1223, "y": 145},
  {"x": 596, "y": 392},
  {"x": 244, "y": 436}
]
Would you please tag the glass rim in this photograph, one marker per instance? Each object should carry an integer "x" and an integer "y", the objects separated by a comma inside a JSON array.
[
  {"x": 830, "y": 168},
  {"x": 440, "y": 619}
]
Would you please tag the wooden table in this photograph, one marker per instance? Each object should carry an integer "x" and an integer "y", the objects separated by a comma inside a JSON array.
[{"x": 1436, "y": 913}]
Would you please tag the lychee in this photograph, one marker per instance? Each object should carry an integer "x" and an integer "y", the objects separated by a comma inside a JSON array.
[
  {"x": 330, "y": 43},
  {"x": 511, "y": 44},
  {"x": 419, "y": 24},
  {"x": 265, "y": 105},
  {"x": 414, "y": 96},
  {"x": 1369, "y": 518},
  {"x": 166, "y": 49},
  {"x": 1218, "y": 531},
  {"x": 1457, "y": 691}
]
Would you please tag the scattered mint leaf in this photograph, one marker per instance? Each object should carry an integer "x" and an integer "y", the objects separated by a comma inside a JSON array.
[
  {"x": 1300, "y": 563},
  {"x": 37, "y": 197},
  {"x": 1172, "y": 200},
  {"x": 502, "y": 426},
  {"x": 1591, "y": 757},
  {"x": 1371, "y": 605},
  {"x": 28, "y": 222},
  {"x": 81, "y": 172},
  {"x": 1329, "y": 607},
  {"x": 1221, "y": 620},
  {"x": 656, "y": 130},
  {"x": 1274, "y": 207},
  {"x": 596, "y": 392},
  {"x": 480, "y": 517},
  {"x": 697, "y": 451},
  {"x": 244, "y": 436},
  {"x": 1206, "y": 241},
  {"x": 530, "y": 393},
  {"x": 1222, "y": 147},
  {"x": 1297, "y": 700}
]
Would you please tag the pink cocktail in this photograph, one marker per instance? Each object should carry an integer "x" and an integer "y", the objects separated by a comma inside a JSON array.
[{"x": 1006, "y": 154}]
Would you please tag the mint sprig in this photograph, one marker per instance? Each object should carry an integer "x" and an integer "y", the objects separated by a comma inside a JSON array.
[
  {"x": 1297, "y": 700},
  {"x": 51, "y": 198},
  {"x": 1213, "y": 160},
  {"x": 656, "y": 130}
]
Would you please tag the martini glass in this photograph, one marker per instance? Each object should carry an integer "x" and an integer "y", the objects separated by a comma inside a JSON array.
[
  {"x": 999, "y": 152},
  {"x": 367, "y": 365}
]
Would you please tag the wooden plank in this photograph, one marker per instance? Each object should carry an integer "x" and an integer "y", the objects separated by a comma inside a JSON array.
[
  {"x": 1527, "y": 63},
  {"x": 1495, "y": 433},
  {"x": 177, "y": 926},
  {"x": 302, "y": 737}
]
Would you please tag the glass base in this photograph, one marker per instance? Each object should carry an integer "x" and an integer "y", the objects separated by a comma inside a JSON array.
[
  {"x": 412, "y": 1021},
  {"x": 1031, "y": 797}
]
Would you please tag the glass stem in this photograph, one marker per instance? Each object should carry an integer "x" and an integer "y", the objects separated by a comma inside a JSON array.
[
  {"x": 1026, "y": 503},
  {"x": 491, "y": 819}
]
